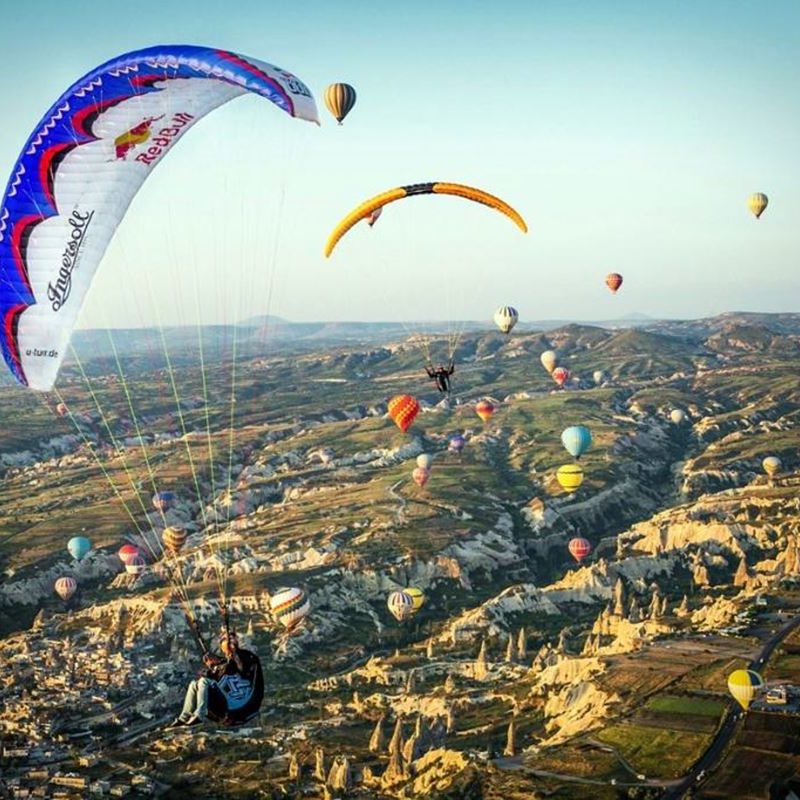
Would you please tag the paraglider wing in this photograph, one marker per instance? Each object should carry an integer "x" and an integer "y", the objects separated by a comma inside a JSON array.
[
  {"x": 82, "y": 166},
  {"x": 340, "y": 99},
  {"x": 78, "y": 547},
  {"x": 744, "y": 684},
  {"x": 403, "y": 408},
  {"x": 373, "y": 217},
  {"x": 459, "y": 190},
  {"x": 577, "y": 440},
  {"x": 757, "y": 203}
]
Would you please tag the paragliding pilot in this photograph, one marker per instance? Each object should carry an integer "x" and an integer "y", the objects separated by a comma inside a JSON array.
[
  {"x": 441, "y": 375},
  {"x": 230, "y": 690}
]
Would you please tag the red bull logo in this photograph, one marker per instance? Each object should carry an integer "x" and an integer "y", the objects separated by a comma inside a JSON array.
[{"x": 129, "y": 140}]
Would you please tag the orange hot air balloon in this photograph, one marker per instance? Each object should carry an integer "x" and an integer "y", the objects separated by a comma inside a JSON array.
[
  {"x": 174, "y": 539},
  {"x": 560, "y": 375},
  {"x": 420, "y": 476},
  {"x": 403, "y": 408},
  {"x": 613, "y": 281},
  {"x": 579, "y": 548},
  {"x": 485, "y": 409}
]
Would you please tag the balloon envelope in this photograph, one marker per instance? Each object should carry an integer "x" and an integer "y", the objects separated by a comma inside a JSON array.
[
  {"x": 484, "y": 409},
  {"x": 570, "y": 477},
  {"x": 174, "y": 539},
  {"x": 560, "y": 375},
  {"x": 400, "y": 605},
  {"x": 457, "y": 443},
  {"x": 576, "y": 439},
  {"x": 65, "y": 587},
  {"x": 613, "y": 281},
  {"x": 135, "y": 565},
  {"x": 128, "y": 552},
  {"x": 421, "y": 476},
  {"x": 757, "y": 203},
  {"x": 579, "y": 548},
  {"x": 403, "y": 408},
  {"x": 340, "y": 99},
  {"x": 549, "y": 360},
  {"x": 78, "y": 547},
  {"x": 506, "y": 318},
  {"x": 164, "y": 500},
  {"x": 424, "y": 460},
  {"x": 417, "y": 596},
  {"x": 289, "y": 606},
  {"x": 744, "y": 684},
  {"x": 677, "y": 415},
  {"x": 772, "y": 465},
  {"x": 599, "y": 376}
]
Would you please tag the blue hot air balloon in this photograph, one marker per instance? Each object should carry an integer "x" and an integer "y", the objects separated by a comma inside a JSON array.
[
  {"x": 78, "y": 547},
  {"x": 577, "y": 440}
]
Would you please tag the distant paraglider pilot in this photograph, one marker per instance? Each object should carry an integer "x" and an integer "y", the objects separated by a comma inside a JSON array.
[
  {"x": 229, "y": 691},
  {"x": 441, "y": 375}
]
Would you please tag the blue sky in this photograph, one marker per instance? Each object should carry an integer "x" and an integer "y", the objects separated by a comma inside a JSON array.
[{"x": 628, "y": 134}]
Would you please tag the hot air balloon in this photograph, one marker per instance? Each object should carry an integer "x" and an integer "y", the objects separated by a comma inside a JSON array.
[
  {"x": 78, "y": 547},
  {"x": 401, "y": 605},
  {"x": 457, "y": 443},
  {"x": 549, "y": 360},
  {"x": 81, "y": 167},
  {"x": 772, "y": 465},
  {"x": 135, "y": 565},
  {"x": 162, "y": 501},
  {"x": 599, "y": 376},
  {"x": 421, "y": 476},
  {"x": 570, "y": 476},
  {"x": 289, "y": 606},
  {"x": 65, "y": 587},
  {"x": 576, "y": 439},
  {"x": 127, "y": 552},
  {"x": 424, "y": 460},
  {"x": 506, "y": 318},
  {"x": 373, "y": 217},
  {"x": 174, "y": 539},
  {"x": 61, "y": 409},
  {"x": 561, "y": 375},
  {"x": 744, "y": 684},
  {"x": 434, "y": 187},
  {"x": 677, "y": 416},
  {"x": 403, "y": 408},
  {"x": 340, "y": 99},
  {"x": 613, "y": 281},
  {"x": 579, "y": 548},
  {"x": 757, "y": 203},
  {"x": 326, "y": 456},
  {"x": 417, "y": 596},
  {"x": 484, "y": 409}
]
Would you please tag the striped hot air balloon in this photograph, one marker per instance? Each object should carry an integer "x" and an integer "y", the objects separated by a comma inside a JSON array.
[
  {"x": 340, "y": 99},
  {"x": 136, "y": 565},
  {"x": 506, "y": 318},
  {"x": 403, "y": 408},
  {"x": 174, "y": 539},
  {"x": 484, "y": 409},
  {"x": 757, "y": 203},
  {"x": 127, "y": 552},
  {"x": 560, "y": 375},
  {"x": 420, "y": 476},
  {"x": 772, "y": 465},
  {"x": 613, "y": 281},
  {"x": 401, "y": 605},
  {"x": 570, "y": 477},
  {"x": 66, "y": 587},
  {"x": 579, "y": 548},
  {"x": 289, "y": 606},
  {"x": 744, "y": 685}
]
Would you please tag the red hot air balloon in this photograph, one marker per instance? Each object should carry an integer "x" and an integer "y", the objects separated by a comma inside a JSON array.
[
  {"x": 560, "y": 375},
  {"x": 403, "y": 408},
  {"x": 579, "y": 548},
  {"x": 65, "y": 587},
  {"x": 61, "y": 409},
  {"x": 613, "y": 281},
  {"x": 127, "y": 553},
  {"x": 420, "y": 476},
  {"x": 484, "y": 409}
]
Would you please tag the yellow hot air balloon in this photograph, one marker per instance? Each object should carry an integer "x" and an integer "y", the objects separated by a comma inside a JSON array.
[
  {"x": 549, "y": 360},
  {"x": 570, "y": 477},
  {"x": 367, "y": 208},
  {"x": 418, "y": 597},
  {"x": 744, "y": 684},
  {"x": 772, "y": 465},
  {"x": 340, "y": 99},
  {"x": 757, "y": 203}
]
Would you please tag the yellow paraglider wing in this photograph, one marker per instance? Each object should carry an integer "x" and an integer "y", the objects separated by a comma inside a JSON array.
[{"x": 467, "y": 192}]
